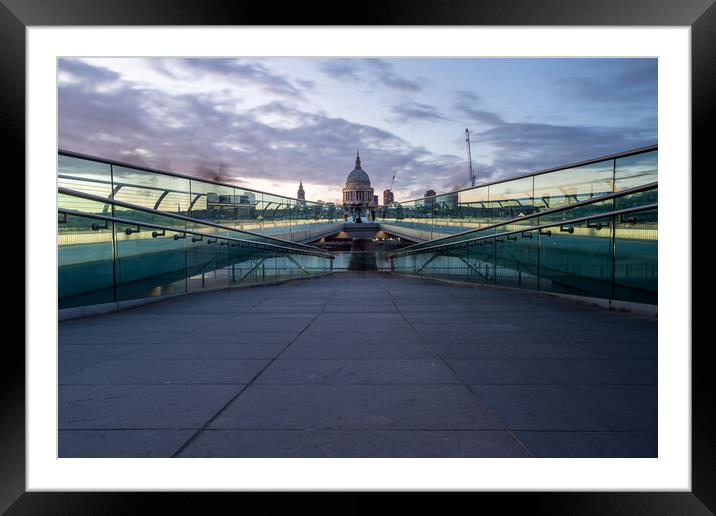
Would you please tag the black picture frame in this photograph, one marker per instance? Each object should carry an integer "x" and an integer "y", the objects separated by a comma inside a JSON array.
[{"x": 700, "y": 15}]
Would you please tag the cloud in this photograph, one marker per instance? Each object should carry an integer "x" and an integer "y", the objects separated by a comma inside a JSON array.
[
  {"x": 368, "y": 70},
  {"x": 623, "y": 81},
  {"x": 467, "y": 96},
  {"x": 76, "y": 71},
  {"x": 465, "y": 106},
  {"x": 101, "y": 113},
  {"x": 416, "y": 112},
  {"x": 386, "y": 74},
  {"x": 529, "y": 147},
  {"x": 522, "y": 147},
  {"x": 341, "y": 68},
  {"x": 191, "y": 134},
  {"x": 243, "y": 71}
]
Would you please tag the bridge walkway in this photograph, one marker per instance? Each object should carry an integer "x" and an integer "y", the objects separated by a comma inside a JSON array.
[{"x": 359, "y": 365}]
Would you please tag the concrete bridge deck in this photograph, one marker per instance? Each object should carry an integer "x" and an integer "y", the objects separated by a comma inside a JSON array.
[{"x": 359, "y": 366}]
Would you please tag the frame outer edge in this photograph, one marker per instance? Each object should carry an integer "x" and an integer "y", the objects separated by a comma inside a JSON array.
[
  {"x": 12, "y": 423},
  {"x": 703, "y": 77},
  {"x": 12, "y": 368}
]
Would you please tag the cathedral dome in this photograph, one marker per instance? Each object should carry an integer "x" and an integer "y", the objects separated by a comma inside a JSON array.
[
  {"x": 358, "y": 194},
  {"x": 358, "y": 175}
]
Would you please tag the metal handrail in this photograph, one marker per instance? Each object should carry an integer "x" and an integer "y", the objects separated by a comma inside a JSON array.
[
  {"x": 131, "y": 185},
  {"x": 105, "y": 200},
  {"x": 73, "y": 154},
  {"x": 117, "y": 186},
  {"x": 594, "y": 200},
  {"x": 246, "y": 243},
  {"x": 623, "y": 154},
  {"x": 464, "y": 243}
]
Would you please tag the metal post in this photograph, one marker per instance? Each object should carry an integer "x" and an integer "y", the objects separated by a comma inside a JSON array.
[
  {"x": 539, "y": 246},
  {"x": 613, "y": 247},
  {"x": 114, "y": 240}
]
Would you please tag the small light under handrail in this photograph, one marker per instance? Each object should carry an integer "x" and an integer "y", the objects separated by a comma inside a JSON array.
[{"x": 631, "y": 221}]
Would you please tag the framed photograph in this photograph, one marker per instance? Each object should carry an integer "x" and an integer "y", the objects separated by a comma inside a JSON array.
[{"x": 414, "y": 252}]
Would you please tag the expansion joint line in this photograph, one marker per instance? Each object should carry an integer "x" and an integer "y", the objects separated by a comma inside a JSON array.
[
  {"x": 249, "y": 383},
  {"x": 490, "y": 410}
]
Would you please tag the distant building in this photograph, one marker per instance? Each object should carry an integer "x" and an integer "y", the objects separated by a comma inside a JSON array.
[
  {"x": 430, "y": 193},
  {"x": 301, "y": 192},
  {"x": 388, "y": 197},
  {"x": 213, "y": 198},
  {"x": 358, "y": 198},
  {"x": 375, "y": 200}
]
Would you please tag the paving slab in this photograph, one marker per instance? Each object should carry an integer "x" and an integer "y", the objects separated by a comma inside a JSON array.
[
  {"x": 586, "y": 333},
  {"x": 570, "y": 407},
  {"x": 537, "y": 335},
  {"x": 462, "y": 329},
  {"x": 499, "y": 371},
  {"x": 277, "y": 323},
  {"x": 415, "y": 308},
  {"x": 354, "y": 443},
  {"x": 70, "y": 366},
  {"x": 168, "y": 371},
  {"x": 233, "y": 336},
  {"x": 455, "y": 315},
  {"x": 352, "y": 308},
  {"x": 645, "y": 444},
  {"x": 601, "y": 371},
  {"x": 191, "y": 309},
  {"x": 493, "y": 348},
  {"x": 97, "y": 351},
  {"x": 312, "y": 345},
  {"x": 357, "y": 371},
  {"x": 426, "y": 407},
  {"x": 121, "y": 443},
  {"x": 211, "y": 351},
  {"x": 590, "y": 444},
  {"x": 623, "y": 350},
  {"x": 92, "y": 337},
  {"x": 140, "y": 406},
  {"x": 306, "y": 310}
]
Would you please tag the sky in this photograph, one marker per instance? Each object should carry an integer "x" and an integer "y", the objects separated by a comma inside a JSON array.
[{"x": 269, "y": 123}]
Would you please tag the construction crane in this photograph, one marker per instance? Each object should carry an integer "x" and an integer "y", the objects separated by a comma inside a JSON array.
[
  {"x": 388, "y": 196},
  {"x": 469, "y": 157}
]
